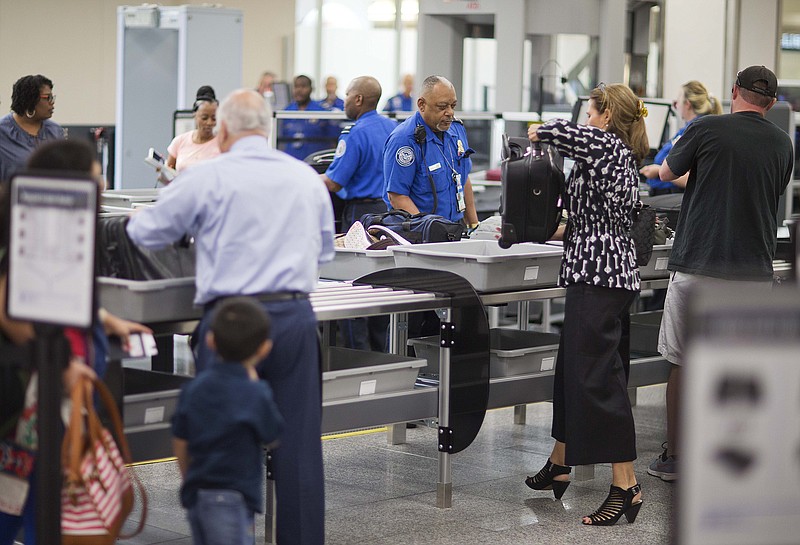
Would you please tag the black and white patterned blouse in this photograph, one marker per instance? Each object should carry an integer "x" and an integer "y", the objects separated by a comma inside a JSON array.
[{"x": 602, "y": 189}]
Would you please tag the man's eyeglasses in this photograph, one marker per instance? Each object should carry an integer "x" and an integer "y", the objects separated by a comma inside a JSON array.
[{"x": 51, "y": 98}]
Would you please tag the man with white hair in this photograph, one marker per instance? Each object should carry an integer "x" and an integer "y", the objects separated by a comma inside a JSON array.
[{"x": 262, "y": 224}]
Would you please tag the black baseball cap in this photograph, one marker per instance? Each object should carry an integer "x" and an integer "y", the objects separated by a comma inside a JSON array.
[{"x": 758, "y": 79}]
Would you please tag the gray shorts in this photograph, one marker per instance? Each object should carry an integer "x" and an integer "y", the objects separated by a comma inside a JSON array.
[{"x": 672, "y": 336}]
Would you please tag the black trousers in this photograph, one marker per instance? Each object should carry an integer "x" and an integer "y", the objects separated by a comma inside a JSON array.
[
  {"x": 591, "y": 409},
  {"x": 364, "y": 333}
]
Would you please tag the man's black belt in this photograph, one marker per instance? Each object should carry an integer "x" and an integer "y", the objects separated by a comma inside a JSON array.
[
  {"x": 369, "y": 200},
  {"x": 268, "y": 297}
]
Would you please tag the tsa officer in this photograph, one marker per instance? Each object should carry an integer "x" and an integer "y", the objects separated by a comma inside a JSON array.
[
  {"x": 358, "y": 163},
  {"x": 428, "y": 150},
  {"x": 402, "y": 102},
  {"x": 357, "y": 168},
  {"x": 306, "y": 136}
]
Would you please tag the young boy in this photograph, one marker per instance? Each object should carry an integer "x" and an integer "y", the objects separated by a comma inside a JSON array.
[{"x": 223, "y": 418}]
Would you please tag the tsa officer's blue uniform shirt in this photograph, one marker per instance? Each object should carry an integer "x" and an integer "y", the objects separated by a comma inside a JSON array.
[
  {"x": 400, "y": 103},
  {"x": 358, "y": 163},
  {"x": 336, "y": 104},
  {"x": 406, "y": 172},
  {"x": 308, "y": 135},
  {"x": 658, "y": 183}
]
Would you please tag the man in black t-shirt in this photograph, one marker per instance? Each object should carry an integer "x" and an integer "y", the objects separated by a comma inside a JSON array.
[{"x": 739, "y": 165}]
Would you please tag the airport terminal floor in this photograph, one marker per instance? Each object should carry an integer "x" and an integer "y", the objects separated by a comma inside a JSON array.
[{"x": 383, "y": 494}]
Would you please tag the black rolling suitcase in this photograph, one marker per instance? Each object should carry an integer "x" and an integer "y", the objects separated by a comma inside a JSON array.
[
  {"x": 532, "y": 186},
  {"x": 666, "y": 206}
]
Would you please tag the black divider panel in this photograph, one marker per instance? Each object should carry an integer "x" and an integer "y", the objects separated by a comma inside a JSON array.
[{"x": 469, "y": 355}]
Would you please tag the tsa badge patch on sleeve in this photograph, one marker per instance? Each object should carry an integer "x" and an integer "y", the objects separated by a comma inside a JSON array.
[
  {"x": 404, "y": 156},
  {"x": 341, "y": 147}
]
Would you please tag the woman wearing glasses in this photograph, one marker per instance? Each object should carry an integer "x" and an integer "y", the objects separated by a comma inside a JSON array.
[
  {"x": 28, "y": 125},
  {"x": 693, "y": 102},
  {"x": 592, "y": 418}
]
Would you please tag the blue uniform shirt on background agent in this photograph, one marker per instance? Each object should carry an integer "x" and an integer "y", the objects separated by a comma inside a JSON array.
[
  {"x": 406, "y": 166},
  {"x": 400, "y": 103},
  {"x": 657, "y": 183},
  {"x": 337, "y": 104},
  {"x": 358, "y": 164},
  {"x": 307, "y": 135}
]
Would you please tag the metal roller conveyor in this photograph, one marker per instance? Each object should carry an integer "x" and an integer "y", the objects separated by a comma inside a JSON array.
[{"x": 344, "y": 300}]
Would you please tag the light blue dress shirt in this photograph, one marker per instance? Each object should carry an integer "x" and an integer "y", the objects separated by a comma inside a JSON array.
[{"x": 262, "y": 221}]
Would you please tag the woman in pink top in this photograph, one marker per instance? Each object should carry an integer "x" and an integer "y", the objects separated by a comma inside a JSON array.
[{"x": 200, "y": 144}]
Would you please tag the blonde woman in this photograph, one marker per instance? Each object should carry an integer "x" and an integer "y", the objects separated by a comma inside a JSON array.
[
  {"x": 693, "y": 102},
  {"x": 592, "y": 418}
]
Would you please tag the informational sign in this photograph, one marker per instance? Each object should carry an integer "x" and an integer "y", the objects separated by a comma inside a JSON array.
[
  {"x": 52, "y": 250},
  {"x": 740, "y": 447}
]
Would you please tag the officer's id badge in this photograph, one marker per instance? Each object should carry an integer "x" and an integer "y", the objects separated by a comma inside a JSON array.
[
  {"x": 460, "y": 145},
  {"x": 341, "y": 147},
  {"x": 404, "y": 156},
  {"x": 462, "y": 203}
]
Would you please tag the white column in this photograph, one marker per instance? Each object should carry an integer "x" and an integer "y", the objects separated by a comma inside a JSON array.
[
  {"x": 509, "y": 33},
  {"x": 611, "y": 60},
  {"x": 759, "y": 33},
  {"x": 694, "y": 44}
]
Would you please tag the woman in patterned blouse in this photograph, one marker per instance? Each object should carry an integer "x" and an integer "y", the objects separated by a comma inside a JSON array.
[{"x": 592, "y": 419}]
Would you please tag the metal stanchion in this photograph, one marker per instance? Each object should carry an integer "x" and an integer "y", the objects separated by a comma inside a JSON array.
[{"x": 50, "y": 354}]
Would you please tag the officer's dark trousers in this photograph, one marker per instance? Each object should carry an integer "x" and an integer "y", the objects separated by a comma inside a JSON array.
[
  {"x": 363, "y": 333},
  {"x": 591, "y": 409},
  {"x": 293, "y": 372}
]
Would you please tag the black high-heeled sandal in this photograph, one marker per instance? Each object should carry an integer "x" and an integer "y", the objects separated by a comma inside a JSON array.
[
  {"x": 619, "y": 502},
  {"x": 544, "y": 479}
]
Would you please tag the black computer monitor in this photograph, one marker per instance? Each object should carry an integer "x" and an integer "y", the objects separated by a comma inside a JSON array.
[{"x": 656, "y": 122}]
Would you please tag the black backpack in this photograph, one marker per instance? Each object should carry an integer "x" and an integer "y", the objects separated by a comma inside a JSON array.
[
  {"x": 416, "y": 228},
  {"x": 532, "y": 187}
]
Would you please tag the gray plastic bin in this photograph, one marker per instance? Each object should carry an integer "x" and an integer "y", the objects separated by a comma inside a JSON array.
[
  {"x": 355, "y": 373},
  {"x": 150, "y": 397},
  {"x": 511, "y": 352},
  {"x": 126, "y": 197},
  {"x": 486, "y": 265},
  {"x": 349, "y": 263},
  {"x": 644, "y": 332},
  {"x": 657, "y": 267},
  {"x": 149, "y": 300}
]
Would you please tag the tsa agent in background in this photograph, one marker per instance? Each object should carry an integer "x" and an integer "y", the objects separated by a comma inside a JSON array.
[
  {"x": 302, "y": 137},
  {"x": 693, "y": 102},
  {"x": 358, "y": 168},
  {"x": 403, "y": 101}
]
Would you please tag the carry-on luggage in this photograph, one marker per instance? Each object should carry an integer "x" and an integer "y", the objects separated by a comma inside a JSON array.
[
  {"x": 119, "y": 257},
  {"x": 666, "y": 206},
  {"x": 532, "y": 186}
]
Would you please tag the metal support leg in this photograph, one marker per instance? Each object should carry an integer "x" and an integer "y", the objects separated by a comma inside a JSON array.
[
  {"x": 546, "y": 314},
  {"x": 398, "y": 339},
  {"x": 493, "y": 313},
  {"x": 326, "y": 343},
  {"x": 584, "y": 473},
  {"x": 523, "y": 315},
  {"x": 444, "y": 487},
  {"x": 396, "y": 434},
  {"x": 398, "y": 333},
  {"x": 520, "y": 413},
  {"x": 632, "y": 395},
  {"x": 269, "y": 511}
]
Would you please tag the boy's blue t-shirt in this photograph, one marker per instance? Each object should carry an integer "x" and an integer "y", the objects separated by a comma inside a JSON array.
[{"x": 226, "y": 418}]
